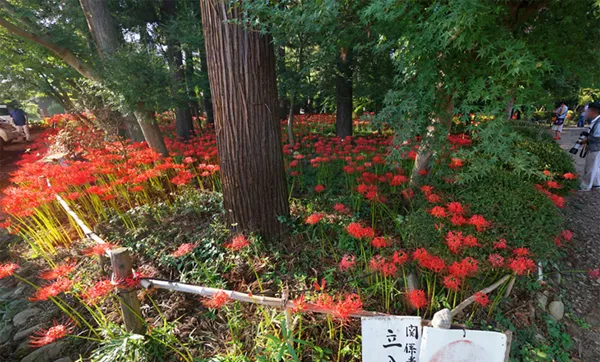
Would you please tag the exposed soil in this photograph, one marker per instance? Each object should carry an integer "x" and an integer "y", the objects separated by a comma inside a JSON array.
[{"x": 581, "y": 293}]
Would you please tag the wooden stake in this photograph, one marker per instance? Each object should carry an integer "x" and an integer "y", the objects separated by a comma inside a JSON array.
[{"x": 130, "y": 305}]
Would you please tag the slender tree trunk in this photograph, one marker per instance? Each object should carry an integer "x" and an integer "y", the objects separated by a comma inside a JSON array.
[
  {"x": 290, "y": 122},
  {"x": 243, "y": 83},
  {"x": 133, "y": 128},
  {"x": 206, "y": 87},
  {"x": 189, "y": 82},
  {"x": 183, "y": 115},
  {"x": 100, "y": 22},
  {"x": 343, "y": 90},
  {"x": 509, "y": 107},
  {"x": 425, "y": 153},
  {"x": 107, "y": 38},
  {"x": 151, "y": 131}
]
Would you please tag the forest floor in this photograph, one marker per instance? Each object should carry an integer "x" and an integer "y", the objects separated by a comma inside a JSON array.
[{"x": 580, "y": 293}]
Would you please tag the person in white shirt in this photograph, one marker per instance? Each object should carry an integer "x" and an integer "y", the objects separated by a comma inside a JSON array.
[
  {"x": 561, "y": 114},
  {"x": 591, "y": 174}
]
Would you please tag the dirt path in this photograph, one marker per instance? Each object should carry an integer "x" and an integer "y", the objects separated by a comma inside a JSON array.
[{"x": 581, "y": 293}]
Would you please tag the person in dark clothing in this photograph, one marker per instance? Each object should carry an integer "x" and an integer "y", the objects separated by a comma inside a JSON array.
[{"x": 20, "y": 121}]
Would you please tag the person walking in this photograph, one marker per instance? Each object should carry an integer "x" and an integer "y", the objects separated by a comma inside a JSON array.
[
  {"x": 20, "y": 120},
  {"x": 581, "y": 121},
  {"x": 591, "y": 173},
  {"x": 561, "y": 114}
]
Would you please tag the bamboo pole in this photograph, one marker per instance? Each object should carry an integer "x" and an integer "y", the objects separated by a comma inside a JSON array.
[
  {"x": 465, "y": 303},
  {"x": 243, "y": 297}
]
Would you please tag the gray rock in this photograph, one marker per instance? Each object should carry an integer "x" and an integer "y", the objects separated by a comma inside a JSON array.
[
  {"x": 45, "y": 354},
  {"x": 542, "y": 300},
  {"x": 442, "y": 319},
  {"x": 557, "y": 310},
  {"x": 6, "y": 332},
  {"x": 19, "y": 291},
  {"x": 23, "y": 349},
  {"x": 13, "y": 309},
  {"x": 23, "y": 317},
  {"x": 557, "y": 277},
  {"x": 64, "y": 359},
  {"x": 26, "y": 332}
]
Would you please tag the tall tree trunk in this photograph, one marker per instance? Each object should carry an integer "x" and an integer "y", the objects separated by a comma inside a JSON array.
[
  {"x": 509, "y": 107},
  {"x": 133, "y": 128},
  {"x": 151, "y": 131},
  {"x": 343, "y": 90},
  {"x": 190, "y": 83},
  {"x": 290, "y": 122},
  {"x": 243, "y": 84},
  {"x": 107, "y": 38},
  {"x": 443, "y": 120},
  {"x": 206, "y": 87},
  {"x": 183, "y": 115},
  {"x": 100, "y": 22}
]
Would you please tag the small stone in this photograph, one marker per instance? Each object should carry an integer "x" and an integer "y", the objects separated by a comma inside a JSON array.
[
  {"x": 64, "y": 359},
  {"x": 6, "y": 333},
  {"x": 26, "y": 332},
  {"x": 442, "y": 319},
  {"x": 557, "y": 310},
  {"x": 23, "y": 317},
  {"x": 46, "y": 353},
  {"x": 542, "y": 300},
  {"x": 556, "y": 277},
  {"x": 14, "y": 308},
  {"x": 412, "y": 282}
]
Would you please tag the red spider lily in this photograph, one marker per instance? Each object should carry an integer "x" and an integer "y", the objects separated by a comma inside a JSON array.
[
  {"x": 416, "y": 298},
  {"x": 98, "y": 291},
  {"x": 423, "y": 172},
  {"x": 182, "y": 178},
  {"x": 458, "y": 220},
  {"x": 319, "y": 188},
  {"x": 454, "y": 240},
  {"x": 380, "y": 242},
  {"x": 216, "y": 301},
  {"x": 8, "y": 269},
  {"x": 547, "y": 173},
  {"x": 567, "y": 235},
  {"x": 358, "y": 231},
  {"x": 470, "y": 241},
  {"x": 456, "y": 163},
  {"x": 183, "y": 249},
  {"x": 347, "y": 262},
  {"x": 320, "y": 287},
  {"x": 465, "y": 268},
  {"x": 300, "y": 305},
  {"x": 347, "y": 306},
  {"x": 408, "y": 193},
  {"x": 553, "y": 185},
  {"x": 521, "y": 252},
  {"x": 98, "y": 249},
  {"x": 569, "y": 176},
  {"x": 594, "y": 273},
  {"x": 341, "y": 208},
  {"x": 398, "y": 180},
  {"x": 324, "y": 301},
  {"x": 438, "y": 211},
  {"x": 455, "y": 208},
  {"x": 521, "y": 265},
  {"x": 52, "y": 334},
  {"x": 427, "y": 190},
  {"x": 479, "y": 222},
  {"x": 399, "y": 257},
  {"x": 557, "y": 241},
  {"x": 314, "y": 218},
  {"x": 452, "y": 283},
  {"x": 52, "y": 290},
  {"x": 388, "y": 269},
  {"x": 376, "y": 263},
  {"x": 61, "y": 270},
  {"x": 496, "y": 260},
  {"x": 481, "y": 299},
  {"x": 500, "y": 244},
  {"x": 237, "y": 243},
  {"x": 433, "y": 198}
]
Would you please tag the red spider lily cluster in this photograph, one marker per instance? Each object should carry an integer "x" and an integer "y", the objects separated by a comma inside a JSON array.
[{"x": 57, "y": 331}]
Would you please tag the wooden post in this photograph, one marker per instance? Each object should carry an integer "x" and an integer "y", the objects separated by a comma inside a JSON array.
[{"x": 130, "y": 305}]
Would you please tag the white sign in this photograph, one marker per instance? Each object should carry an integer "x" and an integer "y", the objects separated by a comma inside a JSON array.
[
  {"x": 456, "y": 345},
  {"x": 391, "y": 339}
]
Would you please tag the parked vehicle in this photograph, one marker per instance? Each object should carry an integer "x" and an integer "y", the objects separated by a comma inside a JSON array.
[{"x": 8, "y": 132}]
